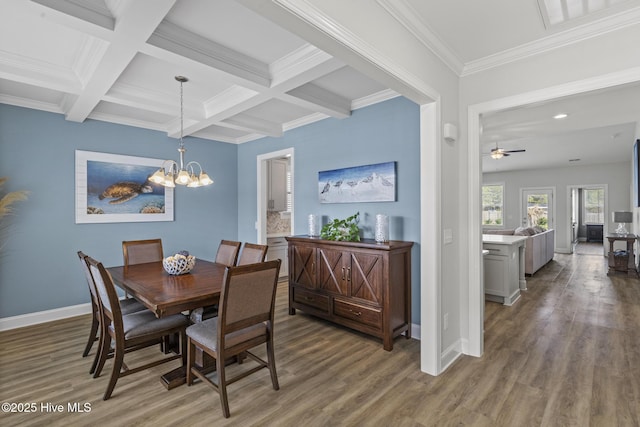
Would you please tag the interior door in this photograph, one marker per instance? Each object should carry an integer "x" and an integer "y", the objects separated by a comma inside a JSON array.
[{"x": 537, "y": 208}]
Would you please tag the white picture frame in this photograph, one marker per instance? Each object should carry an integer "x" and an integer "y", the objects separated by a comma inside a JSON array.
[{"x": 115, "y": 188}]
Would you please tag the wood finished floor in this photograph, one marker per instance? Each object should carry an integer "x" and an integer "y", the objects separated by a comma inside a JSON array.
[{"x": 566, "y": 354}]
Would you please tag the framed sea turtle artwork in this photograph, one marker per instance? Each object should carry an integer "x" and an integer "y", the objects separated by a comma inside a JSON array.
[{"x": 116, "y": 188}]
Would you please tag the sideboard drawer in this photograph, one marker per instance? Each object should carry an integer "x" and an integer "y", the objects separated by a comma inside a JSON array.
[
  {"x": 311, "y": 299},
  {"x": 358, "y": 313}
]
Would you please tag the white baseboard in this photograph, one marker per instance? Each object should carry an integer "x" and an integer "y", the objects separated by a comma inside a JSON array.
[
  {"x": 451, "y": 354},
  {"x": 7, "y": 323},
  {"x": 415, "y": 331}
]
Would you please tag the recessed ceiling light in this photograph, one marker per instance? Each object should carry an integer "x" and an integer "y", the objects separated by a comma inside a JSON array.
[{"x": 560, "y": 116}]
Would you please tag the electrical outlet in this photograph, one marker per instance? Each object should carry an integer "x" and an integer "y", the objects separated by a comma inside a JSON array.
[{"x": 445, "y": 321}]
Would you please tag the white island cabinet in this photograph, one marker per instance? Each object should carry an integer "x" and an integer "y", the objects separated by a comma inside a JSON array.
[{"x": 504, "y": 267}]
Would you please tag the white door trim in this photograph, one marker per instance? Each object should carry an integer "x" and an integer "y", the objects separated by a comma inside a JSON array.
[
  {"x": 474, "y": 208},
  {"x": 261, "y": 168}
]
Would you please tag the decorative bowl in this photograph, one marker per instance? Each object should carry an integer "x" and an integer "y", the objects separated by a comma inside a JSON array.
[{"x": 179, "y": 264}]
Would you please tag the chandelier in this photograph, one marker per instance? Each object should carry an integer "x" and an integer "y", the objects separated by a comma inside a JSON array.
[{"x": 181, "y": 174}]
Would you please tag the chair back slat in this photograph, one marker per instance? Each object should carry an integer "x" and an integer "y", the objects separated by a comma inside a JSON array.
[
  {"x": 228, "y": 252},
  {"x": 252, "y": 253},
  {"x": 142, "y": 251},
  {"x": 106, "y": 292},
  {"x": 248, "y": 295},
  {"x": 87, "y": 273}
]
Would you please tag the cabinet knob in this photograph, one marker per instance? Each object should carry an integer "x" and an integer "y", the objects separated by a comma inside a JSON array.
[{"x": 356, "y": 313}]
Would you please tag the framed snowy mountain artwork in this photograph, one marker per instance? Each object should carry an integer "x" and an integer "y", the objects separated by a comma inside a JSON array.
[{"x": 370, "y": 183}]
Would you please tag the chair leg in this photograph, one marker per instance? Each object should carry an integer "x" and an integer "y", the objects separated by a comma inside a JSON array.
[
  {"x": 222, "y": 386},
  {"x": 272, "y": 365},
  {"x": 103, "y": 352},
  {"x": 191, "y": 357},
  {"x": 115, "y": 373},
  {"x": 92, "y": 335},
  {"x": 183, "y": 347}
]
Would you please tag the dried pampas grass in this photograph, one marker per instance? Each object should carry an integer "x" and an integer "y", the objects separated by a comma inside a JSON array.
[{"x": 10, "y": 198}]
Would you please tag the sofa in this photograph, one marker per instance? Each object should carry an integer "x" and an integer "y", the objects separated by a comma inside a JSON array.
[{"x": 538, "y": 249}]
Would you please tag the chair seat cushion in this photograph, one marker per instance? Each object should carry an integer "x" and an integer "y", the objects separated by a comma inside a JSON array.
[
  {"x": 131, "y": 305},
  {"x": 146, "y": 323},
  {"x": 206, "y": 333}
]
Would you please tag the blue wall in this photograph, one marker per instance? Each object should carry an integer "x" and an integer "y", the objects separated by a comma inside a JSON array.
[
  {"x": 39, "y": 269},
  {"x": 389, "y": 131}
]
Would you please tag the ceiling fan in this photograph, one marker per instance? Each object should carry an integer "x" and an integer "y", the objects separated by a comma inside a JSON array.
[{"x": 498, "y": 153}]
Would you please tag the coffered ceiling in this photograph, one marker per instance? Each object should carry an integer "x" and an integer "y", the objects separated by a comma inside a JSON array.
[{"x": 115, "y": 61}]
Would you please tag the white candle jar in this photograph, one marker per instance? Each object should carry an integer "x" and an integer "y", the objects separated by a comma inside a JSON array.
[{"x": 382, "y": 228}]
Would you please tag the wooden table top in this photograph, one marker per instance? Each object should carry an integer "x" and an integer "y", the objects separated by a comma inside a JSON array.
[{"x": 165, "y": 294}]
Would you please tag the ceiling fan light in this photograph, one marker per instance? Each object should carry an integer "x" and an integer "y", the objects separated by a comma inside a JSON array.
[{"x": 497, "y": 154}]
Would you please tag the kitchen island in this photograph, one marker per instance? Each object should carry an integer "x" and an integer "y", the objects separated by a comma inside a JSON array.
[{"x": 504, "y": 267}]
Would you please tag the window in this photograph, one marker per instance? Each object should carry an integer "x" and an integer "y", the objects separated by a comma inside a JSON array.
[
  {"x": 492, "y": 205},
  {"x": 593, "y": 205}
]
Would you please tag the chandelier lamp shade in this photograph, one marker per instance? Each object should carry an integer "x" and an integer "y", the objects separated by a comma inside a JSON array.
[{"x": 172, "y": 173}]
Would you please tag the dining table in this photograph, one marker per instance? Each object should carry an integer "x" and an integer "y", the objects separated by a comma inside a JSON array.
[{"x": 165, "y": 294}]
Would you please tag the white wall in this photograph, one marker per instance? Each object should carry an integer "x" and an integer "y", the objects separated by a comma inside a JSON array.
[
  {"x": 378, "y": 46},
  {"x": 615, "y": 175},
  {"x": 591, "y": 64}
]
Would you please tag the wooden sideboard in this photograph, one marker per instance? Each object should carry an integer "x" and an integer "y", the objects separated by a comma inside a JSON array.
[{"x": 363, "y": 285}]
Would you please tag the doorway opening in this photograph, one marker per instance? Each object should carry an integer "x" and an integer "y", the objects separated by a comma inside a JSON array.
[
  {"x": 275, "y": 204},
  {"x": 537, "y": 207},
  {"x": 587, "y": 214}
]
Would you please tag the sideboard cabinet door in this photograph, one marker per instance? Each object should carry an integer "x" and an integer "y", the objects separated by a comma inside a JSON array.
[{"x": 363, "y": 285}]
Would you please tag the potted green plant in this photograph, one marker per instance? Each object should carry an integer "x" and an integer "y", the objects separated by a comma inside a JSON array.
[{"x": 342, "y": 229}]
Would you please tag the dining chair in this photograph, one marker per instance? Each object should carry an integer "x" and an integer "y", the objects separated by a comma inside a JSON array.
[
  {"x": 129, "y": 332},
  {"x": 227, "y": 255},
  {"x": 245, "y": 321},
  {"x": 127, "y": 305},
  {"x": 252, "y": 253},
  {"x": 142, "y": 251},
  {"x": 228, "y": 252}
]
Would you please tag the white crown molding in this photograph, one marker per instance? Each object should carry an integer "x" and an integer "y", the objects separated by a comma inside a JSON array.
[
  {"x": 31, "y": 103},
  {"x": 365, "y": 101},
  {"x": 314, "y": 17},
  {"x": 38, "y": 73},
  {"x": 88, "y": 58},
  {"x": 406, "y": 15},
  {"x": 555, "y": 41},
  {"x": 297, "y": 62},
  {"x": 126, "y": 121},
  {"x": 302, "y": 121},
  {"x": 92, "y": 11}
]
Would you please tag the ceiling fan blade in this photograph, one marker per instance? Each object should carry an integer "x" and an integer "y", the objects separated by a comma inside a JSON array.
[{"x": 514, "y": 151}]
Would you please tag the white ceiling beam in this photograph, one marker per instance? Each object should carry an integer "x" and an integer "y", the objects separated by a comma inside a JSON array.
[
  {"x": 89, "y": 17},
  {"x": 239, "y": 68},
  {"x": 248, "y": 123},
  {"x": 131, "y": 32},
  {"x": 316, "y": 98}
]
